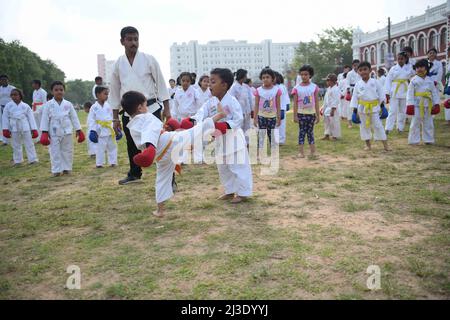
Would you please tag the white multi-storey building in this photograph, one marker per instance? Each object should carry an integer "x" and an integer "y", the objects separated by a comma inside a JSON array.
[
  {"x": 234, "y": 55},
  {"x": 429, "y": 30},
  {"x": 105, "y": 68}
]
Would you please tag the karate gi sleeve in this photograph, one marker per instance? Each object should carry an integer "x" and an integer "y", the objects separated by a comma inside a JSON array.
[
  {"x": 354, "y": 101},
  {"x": 31, "y": 119},
  {"x": 410, "y": 94},
  {"x": 202, "y": 113},
  {"x": 237, "y": 116},
  {"x": 152, "y": 131},
  {"x": 91, "y": 124},
  {"x": 435, "y": 95},
  {"x": 380, "y": 92},
  {"x": 45, "y": 121},
  {"x": 114, "y": 95},
  {"x": 74, "y": 118},
  {"x": 5, "y": 118},
  {"x": 161, "y": 90},
  {"x": 388, "y": 83}
]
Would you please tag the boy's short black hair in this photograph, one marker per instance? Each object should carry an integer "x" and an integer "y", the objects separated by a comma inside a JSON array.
[
  {"x": 100, "y": 89},
  {"x": 98, "y": 79},
  {"x": 408, "y": 49},
  {"x": 131, "y": 100},
  {"x": 172, "y": 80},
  {"x": 423, "y": 63},
  {"x": 225, "y": 75},
  {"x": 347, "y": 66},
  {"x": 432, "y": 50},
  {"x": 128, "y": 30},
  {"x": 38, "y": 82},
  {"x": 186, "y": 74},
  {"x": 381, "y": 71},
  {"x": 268, "y": 71},
  {"x": 332, "y": 77},
  {"x": 356, "y": 61},
  {"x": 87, "y": 105},
  {"x": 57, "y": 83},
  {"x": 241, "y": 74},
  {"x": 4, "y": 76},
  {"x": 365, "y": 64},
  {"x": 19, "y": 92},
  {"x": 308, "y": 69}
]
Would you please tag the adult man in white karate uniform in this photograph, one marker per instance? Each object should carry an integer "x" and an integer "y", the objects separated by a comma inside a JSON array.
[{"x": 136, "y": 71}]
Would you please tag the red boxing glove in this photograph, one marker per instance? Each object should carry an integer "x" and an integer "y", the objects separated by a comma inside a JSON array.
[
  {"x": 172, "y": 125},
  {"x": 6, "y": 133},
  {"x": 222, "y": 127},
  {"x": 436, "y": 109},
  {"x": 34, "y": 134},
  {"x": 388, "y": 98},
  {"x": 45, "y": 141},
  {"x": 145, "y": 159},
  {"x": 186, "y": 124},
  {"x": 348, "y": 96},
  {"x": 410, "y": 110},
  {"x": 81, "y": 136},
  {"x": 447, "y": 104}
]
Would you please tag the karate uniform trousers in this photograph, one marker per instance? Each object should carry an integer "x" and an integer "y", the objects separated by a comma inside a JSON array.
[
  {"x": 333, "y": 126},
  {"x": 397, "y": 113},
  {"x": 109, "y": 146},
  {"x": 19, "y": 138},
  {"x": 425, "y": 124},
  {"x": 376, "y": 126},
  {"x": 61, "y": 153}
]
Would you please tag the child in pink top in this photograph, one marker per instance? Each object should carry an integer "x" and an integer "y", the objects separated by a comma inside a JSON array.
[{"x": 306, "y": 109}]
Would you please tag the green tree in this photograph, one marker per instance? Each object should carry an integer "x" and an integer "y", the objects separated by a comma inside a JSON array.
[
  {"x": 23, "y": 66},
  {"x": 79, "y": 91},
  {"x": 327, "y": 55}
]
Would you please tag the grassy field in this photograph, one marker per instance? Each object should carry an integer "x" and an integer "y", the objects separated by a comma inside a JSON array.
[{"x": 309, "y": 232}]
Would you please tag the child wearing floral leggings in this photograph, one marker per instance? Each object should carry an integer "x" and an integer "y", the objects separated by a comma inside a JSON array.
[{"x": 306, "y": 109}]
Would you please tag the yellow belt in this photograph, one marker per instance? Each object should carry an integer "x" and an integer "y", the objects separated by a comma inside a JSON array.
[
  {"x": 368, "y": 108},
  {"x": 424, "y": 96},
  {"x": 400, "y": 82},
  {"x": 108, "y": 125}
]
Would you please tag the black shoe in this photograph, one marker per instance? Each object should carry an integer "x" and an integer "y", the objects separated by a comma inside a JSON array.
[{"x": 129, "y": 180}]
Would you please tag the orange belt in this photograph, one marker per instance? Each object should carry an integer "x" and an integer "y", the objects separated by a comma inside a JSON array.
[{"x": 163, "y": 153}]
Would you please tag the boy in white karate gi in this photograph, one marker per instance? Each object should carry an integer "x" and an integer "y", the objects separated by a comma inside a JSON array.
[
  {"x": 396, "y": 86},
  {"x": 231, "y": 152},
  {"x": 162, "y": 147},
  {"x": 422, "y": 101},
  {"x": 20, "y": 126},
  {"x": 39, "y": 100},
  {"x": 5, "y": 98},
  {"x": 366, "y": 100},
  {"x": 59, "y": 118},
  {"x": 101, "y": 131},
  {"x": 330, "y": 109}
]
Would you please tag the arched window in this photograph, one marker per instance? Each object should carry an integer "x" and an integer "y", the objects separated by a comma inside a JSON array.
[
  {"x": 421, "y": 45},
  {"x": 433, "y": 40},
  {"x": 366, "y": 55},
  {"x": 402, "y": 44},
  {"x": 412, "y": 43},
  {"x": 382, "y": 52},
  {"x": 373, "y": 56},
  {"x": 443, "y": 41},
  {"x": 394, "y": 48}
]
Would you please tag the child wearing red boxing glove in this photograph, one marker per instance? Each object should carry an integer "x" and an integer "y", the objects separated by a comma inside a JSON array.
[
  {"x": 159, "y": 146},
  {"x": 422, "y": 101},
  {"x": 59, "y": 119},
  {"x": 20, "y": 125}
]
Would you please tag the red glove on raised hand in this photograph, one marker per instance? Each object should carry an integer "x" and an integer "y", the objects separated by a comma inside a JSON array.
[
  {"x": 447, "y": 104},
  {"x": 186, "y": 124},
  {"x": 34, "y": 134},
  {"x": 172, "y": 125},
  {"x": 6, "y": 133},
  {"x": 410, "y": 110},
  {"x": 81, "y": 137},
  {"x": 45, "y": 141},
  {"x": 145, "y": 159},
  {"x": 222, "y": 127},
  {"x": 436, "y": 109}
]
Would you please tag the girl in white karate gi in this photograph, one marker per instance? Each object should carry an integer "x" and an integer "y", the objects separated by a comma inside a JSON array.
[
  {"x": 330, "y": 109},
  {"x": 101, "y": 131},
  {"x": 187, "y": 98},
  {"x": 59, "y": 118},
  {"x": 366, "y": 100},
  {"x": 19, "y": 125},
  {"x": 422, "y": 101},
  {"x": 396, "y": 86}
]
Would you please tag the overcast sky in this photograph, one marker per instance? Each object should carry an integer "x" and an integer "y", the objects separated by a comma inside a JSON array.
[{"x": 72, "y": 33}]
